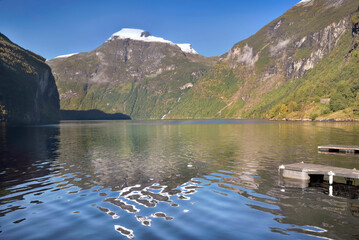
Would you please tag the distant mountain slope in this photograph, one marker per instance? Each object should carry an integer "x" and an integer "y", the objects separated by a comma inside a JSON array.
[
  {"x": 304, "y": 64},
  {"x": 28, "y": 93},
  {"x": 132, "y": 72}
]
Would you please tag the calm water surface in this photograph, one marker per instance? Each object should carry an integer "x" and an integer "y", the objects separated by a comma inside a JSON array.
[{"x": 172, "y": 180}]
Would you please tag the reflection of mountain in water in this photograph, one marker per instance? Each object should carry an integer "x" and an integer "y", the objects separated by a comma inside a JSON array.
[
  {"x": 150, "y": 164},
  {"x": 141, "y": 178},
  {"x": 27, "y": 155},
  {"x": 126, "y": 155},
  {"x": 122, "y": 155},
  {"x": 93, "y": 114}
]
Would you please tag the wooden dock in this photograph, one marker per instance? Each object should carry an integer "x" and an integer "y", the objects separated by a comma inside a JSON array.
[
  {"x": 339, "y": 148},
  {"x": 304, "y": 171}
]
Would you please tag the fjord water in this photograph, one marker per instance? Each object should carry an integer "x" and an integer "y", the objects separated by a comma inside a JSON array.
[{"x": 204, "y": 179}]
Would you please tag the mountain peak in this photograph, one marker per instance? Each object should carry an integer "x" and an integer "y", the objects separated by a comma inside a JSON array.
[
  {"x": 66, "y": 55},
  {"x": 303, "y": 2},
  {"x": 187, "y": 47},
  {"x": 136, "y": 34},
  {"x": 145, "y": 36}
]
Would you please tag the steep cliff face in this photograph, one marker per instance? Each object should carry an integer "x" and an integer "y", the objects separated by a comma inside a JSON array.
[
  {"x": 355, "y": 29},
  {"x": 132, "y": 72},
  {"x": 285, "y": 51},
  {"x": 287, "y": 46},
  {"x": 28, "y": 93}
]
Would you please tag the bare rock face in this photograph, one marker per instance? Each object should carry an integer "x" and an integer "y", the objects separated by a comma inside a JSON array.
[
  {"x": 244, "y": 55},
  {"x": 136, "y": 59},
  {"x": 283, "y": 52},
  {"x": 320, "y": 44},
  {"x": 28, "y": 93}
]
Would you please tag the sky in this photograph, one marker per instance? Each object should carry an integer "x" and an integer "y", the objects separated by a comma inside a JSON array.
[{"x": 56, "y": 27}]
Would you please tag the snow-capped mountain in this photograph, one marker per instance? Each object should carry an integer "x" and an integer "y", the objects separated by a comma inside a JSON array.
[
  {"x": 142, "y": 35},
  {"x": 136, "y": 34},
  {"x": 66, "y": 55},
  {"x": 132, "y": 72},
  {"x": 186, "y": 47},
  {"x": 303, "y": 2}
]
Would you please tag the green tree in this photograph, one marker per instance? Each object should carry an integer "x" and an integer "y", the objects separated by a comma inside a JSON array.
[
  {"x": 293, "y": 106},
  {"x": 3, "y": 113},
  {"x": 284, "y": 110},
  {"x": 341, "y": 98},
  {"x": 356, "y": 105}
]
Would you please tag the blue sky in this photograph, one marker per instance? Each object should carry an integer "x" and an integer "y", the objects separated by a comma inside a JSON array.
[{"x": 55, "y": 27}]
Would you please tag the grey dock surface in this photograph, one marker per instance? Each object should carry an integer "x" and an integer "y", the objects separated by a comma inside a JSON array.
[
  {"x": 304, "y": 170},
  {"x": 339, "y": 148}
]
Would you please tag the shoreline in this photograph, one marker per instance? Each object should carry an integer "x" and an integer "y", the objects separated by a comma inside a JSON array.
[{"x": 315, "y": 120}]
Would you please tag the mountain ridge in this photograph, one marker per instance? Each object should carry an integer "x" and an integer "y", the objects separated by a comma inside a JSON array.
[
  {"x": 140, "y": 35},
  {"x": 244, "y": 82}
]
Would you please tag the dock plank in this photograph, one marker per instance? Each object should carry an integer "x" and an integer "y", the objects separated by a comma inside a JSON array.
[
  {"x": 339, "y": 148},
  {"x": 322, "y": 170}
]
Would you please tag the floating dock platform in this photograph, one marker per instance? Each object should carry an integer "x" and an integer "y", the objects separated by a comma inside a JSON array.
[
  {"x": 339, "y": 148},
  {"x": 306, "y": 171}
]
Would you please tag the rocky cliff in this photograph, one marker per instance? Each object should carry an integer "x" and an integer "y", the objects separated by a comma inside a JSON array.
[{"x": 28, "y": 93}]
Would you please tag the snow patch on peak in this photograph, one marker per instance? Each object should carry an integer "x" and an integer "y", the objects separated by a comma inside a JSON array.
[
  {"x": 66, "y": 55},
  {"x": 137, "y": 34},
  {"x": 302, "y": 2},
  {"x": 142, "y": 35},
  {"x": 187, "y": 48}
]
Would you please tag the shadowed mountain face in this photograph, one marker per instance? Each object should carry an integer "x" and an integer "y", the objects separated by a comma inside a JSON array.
[
  {"x": 143, "y": 79},
  {"x": 28, "y": 93},
  {"x": 91, "y": 115},
  {"x": 303, "y": 64}
]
